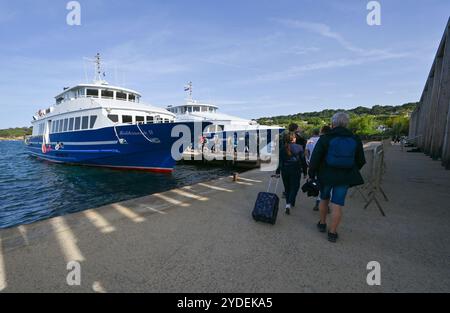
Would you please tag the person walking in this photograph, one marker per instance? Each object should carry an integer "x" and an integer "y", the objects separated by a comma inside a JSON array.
[
  {"x": 291, "y": 166},
  {"x": 310, "y": 145},
  {"x": 293, "y": 128},
  {"x": 336, "y": 162}
]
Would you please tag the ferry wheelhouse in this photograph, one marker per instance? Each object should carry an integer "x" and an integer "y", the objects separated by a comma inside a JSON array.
[{"x": 102, "y": 125}]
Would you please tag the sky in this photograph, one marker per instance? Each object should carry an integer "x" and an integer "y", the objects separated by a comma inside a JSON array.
[{"x": 252, "y": 58}]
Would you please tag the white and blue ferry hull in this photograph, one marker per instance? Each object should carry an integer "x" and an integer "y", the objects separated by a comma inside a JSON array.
[{"x": 144, "y": 147}]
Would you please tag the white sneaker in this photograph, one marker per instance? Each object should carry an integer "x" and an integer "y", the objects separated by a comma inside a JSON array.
[{"x": 288, "y": 209}]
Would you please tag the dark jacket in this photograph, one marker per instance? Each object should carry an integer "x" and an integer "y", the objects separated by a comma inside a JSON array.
[
  {"x": 294, "y": 162},
  {"x": 332, "y": 176}
]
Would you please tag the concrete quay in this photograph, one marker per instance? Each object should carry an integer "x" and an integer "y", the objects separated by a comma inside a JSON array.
[{"x": 202, "y": 238}]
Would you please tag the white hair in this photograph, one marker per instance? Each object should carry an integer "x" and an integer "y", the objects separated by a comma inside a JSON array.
[{"x": 340, "y": 119}]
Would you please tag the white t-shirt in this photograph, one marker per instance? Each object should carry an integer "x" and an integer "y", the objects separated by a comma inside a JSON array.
[{"x": 310, "y": 145}]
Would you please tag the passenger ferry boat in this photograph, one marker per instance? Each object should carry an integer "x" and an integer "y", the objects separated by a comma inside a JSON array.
[
  {"x": 194, "y": 110},
  {"x": 223, "y": 125},
  {"x": 102, "y": 125}
]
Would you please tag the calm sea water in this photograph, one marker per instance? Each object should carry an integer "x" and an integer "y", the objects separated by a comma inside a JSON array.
[{"x": 32, "y": 190}]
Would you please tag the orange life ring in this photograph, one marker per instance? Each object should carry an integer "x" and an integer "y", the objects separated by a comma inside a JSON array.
[{"x": 44, "y": 148}]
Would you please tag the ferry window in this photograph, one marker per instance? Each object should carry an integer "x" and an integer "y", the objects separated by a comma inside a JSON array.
[
  {"x": 204, "y": 109},
  {"x": 77, "y": 123},
  {"x": 140, "y": 119},
  {"x": 196, "y": 109},
  {"x": 59, "y": 100},
  {"x": 166, "y": 120},
  {"x": 131, "y": 97},
  {"x": 121, "y": 96},
  {"x": 113, "y": 117},
  {"x": 127, "y": 119},
  {"x": 149, "y": 119},
  {"x": 107, "y": 94},
  {"x": 92, "y": 93},
  {"x": 211, "y": 109},
  {"x": 85, "y": 122},
  {"x": 189, "y": 109},
  {"x": 92, "y": 121},
  {"x": 66, "y": 122},
  {"x": 71, "y": 124},
  {"x": 53, "y": 126},
  {"x": 57, "y": 126},
  {"x": 81, "y": 92}
]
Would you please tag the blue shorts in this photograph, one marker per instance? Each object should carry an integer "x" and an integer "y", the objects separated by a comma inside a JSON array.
[{"x": 336, "y": 193}]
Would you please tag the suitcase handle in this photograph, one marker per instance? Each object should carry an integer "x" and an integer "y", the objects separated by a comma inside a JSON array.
[{"x": 277, "y": 177}]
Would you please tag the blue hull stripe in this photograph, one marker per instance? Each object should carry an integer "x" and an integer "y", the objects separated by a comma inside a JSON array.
[
  {"x": 101, "y": 147},
  {"x": 88, "y": 143}
]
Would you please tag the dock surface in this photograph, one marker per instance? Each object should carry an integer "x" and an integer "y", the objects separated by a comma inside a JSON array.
[{"x": 201, "y": 238}]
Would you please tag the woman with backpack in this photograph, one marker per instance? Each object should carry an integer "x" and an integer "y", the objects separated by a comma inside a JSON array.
[
  {"x": 336, "y": 161},
  {"x": 292, "y": 165}
]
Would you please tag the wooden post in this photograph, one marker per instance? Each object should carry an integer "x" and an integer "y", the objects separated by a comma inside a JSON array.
[
  {"x": 427, "y": 119},
  {"x": 432, "y": 130},
  {"x": 446, "y": 143},
  {"x": 412, "y": 124},
  {"x": 421, "y": 119},
  {"x": 435, "y": 132}
]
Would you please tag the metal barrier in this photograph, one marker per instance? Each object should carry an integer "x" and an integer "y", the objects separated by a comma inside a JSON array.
[{"x": 373, "y": 173}]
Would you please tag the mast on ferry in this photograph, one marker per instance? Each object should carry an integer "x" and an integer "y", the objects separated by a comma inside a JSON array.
[
  {"x": 99, "y": 73},
  {"x": 188, "y": 88}
]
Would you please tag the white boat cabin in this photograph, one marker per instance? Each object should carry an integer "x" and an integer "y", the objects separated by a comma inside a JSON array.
[{"x": 94, "y": 106}]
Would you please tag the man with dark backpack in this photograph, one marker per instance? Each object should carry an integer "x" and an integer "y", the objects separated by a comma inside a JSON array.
[{"x": 336, "y": 161}]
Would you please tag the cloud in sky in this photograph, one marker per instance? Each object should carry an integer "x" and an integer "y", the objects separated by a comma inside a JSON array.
[
  {"x": 295, "y": 71},
  {"x": 359, "y": 56},
  {"x": 325, "y": 31}
]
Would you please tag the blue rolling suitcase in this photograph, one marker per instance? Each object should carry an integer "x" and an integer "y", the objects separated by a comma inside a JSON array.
[{"x": 266, "y": 206}]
